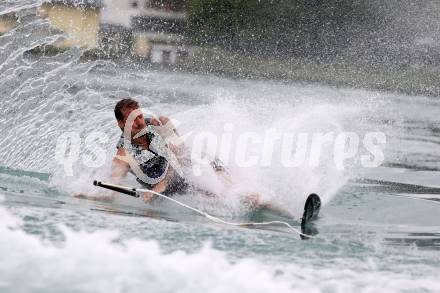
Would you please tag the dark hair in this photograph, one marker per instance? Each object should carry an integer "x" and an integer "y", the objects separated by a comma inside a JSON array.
[{"x": 124, "y": 104}]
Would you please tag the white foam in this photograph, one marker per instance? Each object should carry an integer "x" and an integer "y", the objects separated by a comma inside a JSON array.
[{"x": 94, "y": 262}]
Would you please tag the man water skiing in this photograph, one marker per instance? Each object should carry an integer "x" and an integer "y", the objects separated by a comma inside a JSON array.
[{"x": 150, "y": 149}]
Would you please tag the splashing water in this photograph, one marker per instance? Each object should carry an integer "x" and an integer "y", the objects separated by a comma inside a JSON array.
[{"x": 367, "y": 241}]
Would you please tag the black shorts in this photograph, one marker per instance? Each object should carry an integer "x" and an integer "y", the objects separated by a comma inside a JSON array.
[{"x": 177, "y": 185}]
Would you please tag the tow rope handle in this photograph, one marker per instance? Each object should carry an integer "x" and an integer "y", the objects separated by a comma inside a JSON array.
[{"x": 126, "y": 190}]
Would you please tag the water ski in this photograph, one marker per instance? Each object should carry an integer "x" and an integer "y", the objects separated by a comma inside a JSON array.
[
  {"x": 311, "y": 212},
  {"x": 311, "y": 209}
]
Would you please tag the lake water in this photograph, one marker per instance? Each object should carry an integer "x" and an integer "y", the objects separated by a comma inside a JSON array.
[{"x": 379, "y": 228}]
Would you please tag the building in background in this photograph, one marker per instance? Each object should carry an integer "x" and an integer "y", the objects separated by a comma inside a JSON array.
[
  {"x": 7, "y": 22},
  {"x": 79, "y": 19},
  {"x": 149, "y": 29}
]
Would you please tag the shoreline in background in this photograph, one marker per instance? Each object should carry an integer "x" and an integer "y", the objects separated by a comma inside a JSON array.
[
  {"x": 408, "y": 80},
  {"x": 404, "y": 79},
  {"x": 84, "y": 29}
]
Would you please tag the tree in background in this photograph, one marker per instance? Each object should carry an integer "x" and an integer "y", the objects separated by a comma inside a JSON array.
[{"x": 307, "y": 28}]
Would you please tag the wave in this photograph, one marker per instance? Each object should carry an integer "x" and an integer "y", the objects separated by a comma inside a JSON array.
[{"x": 102, "y": 262}]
